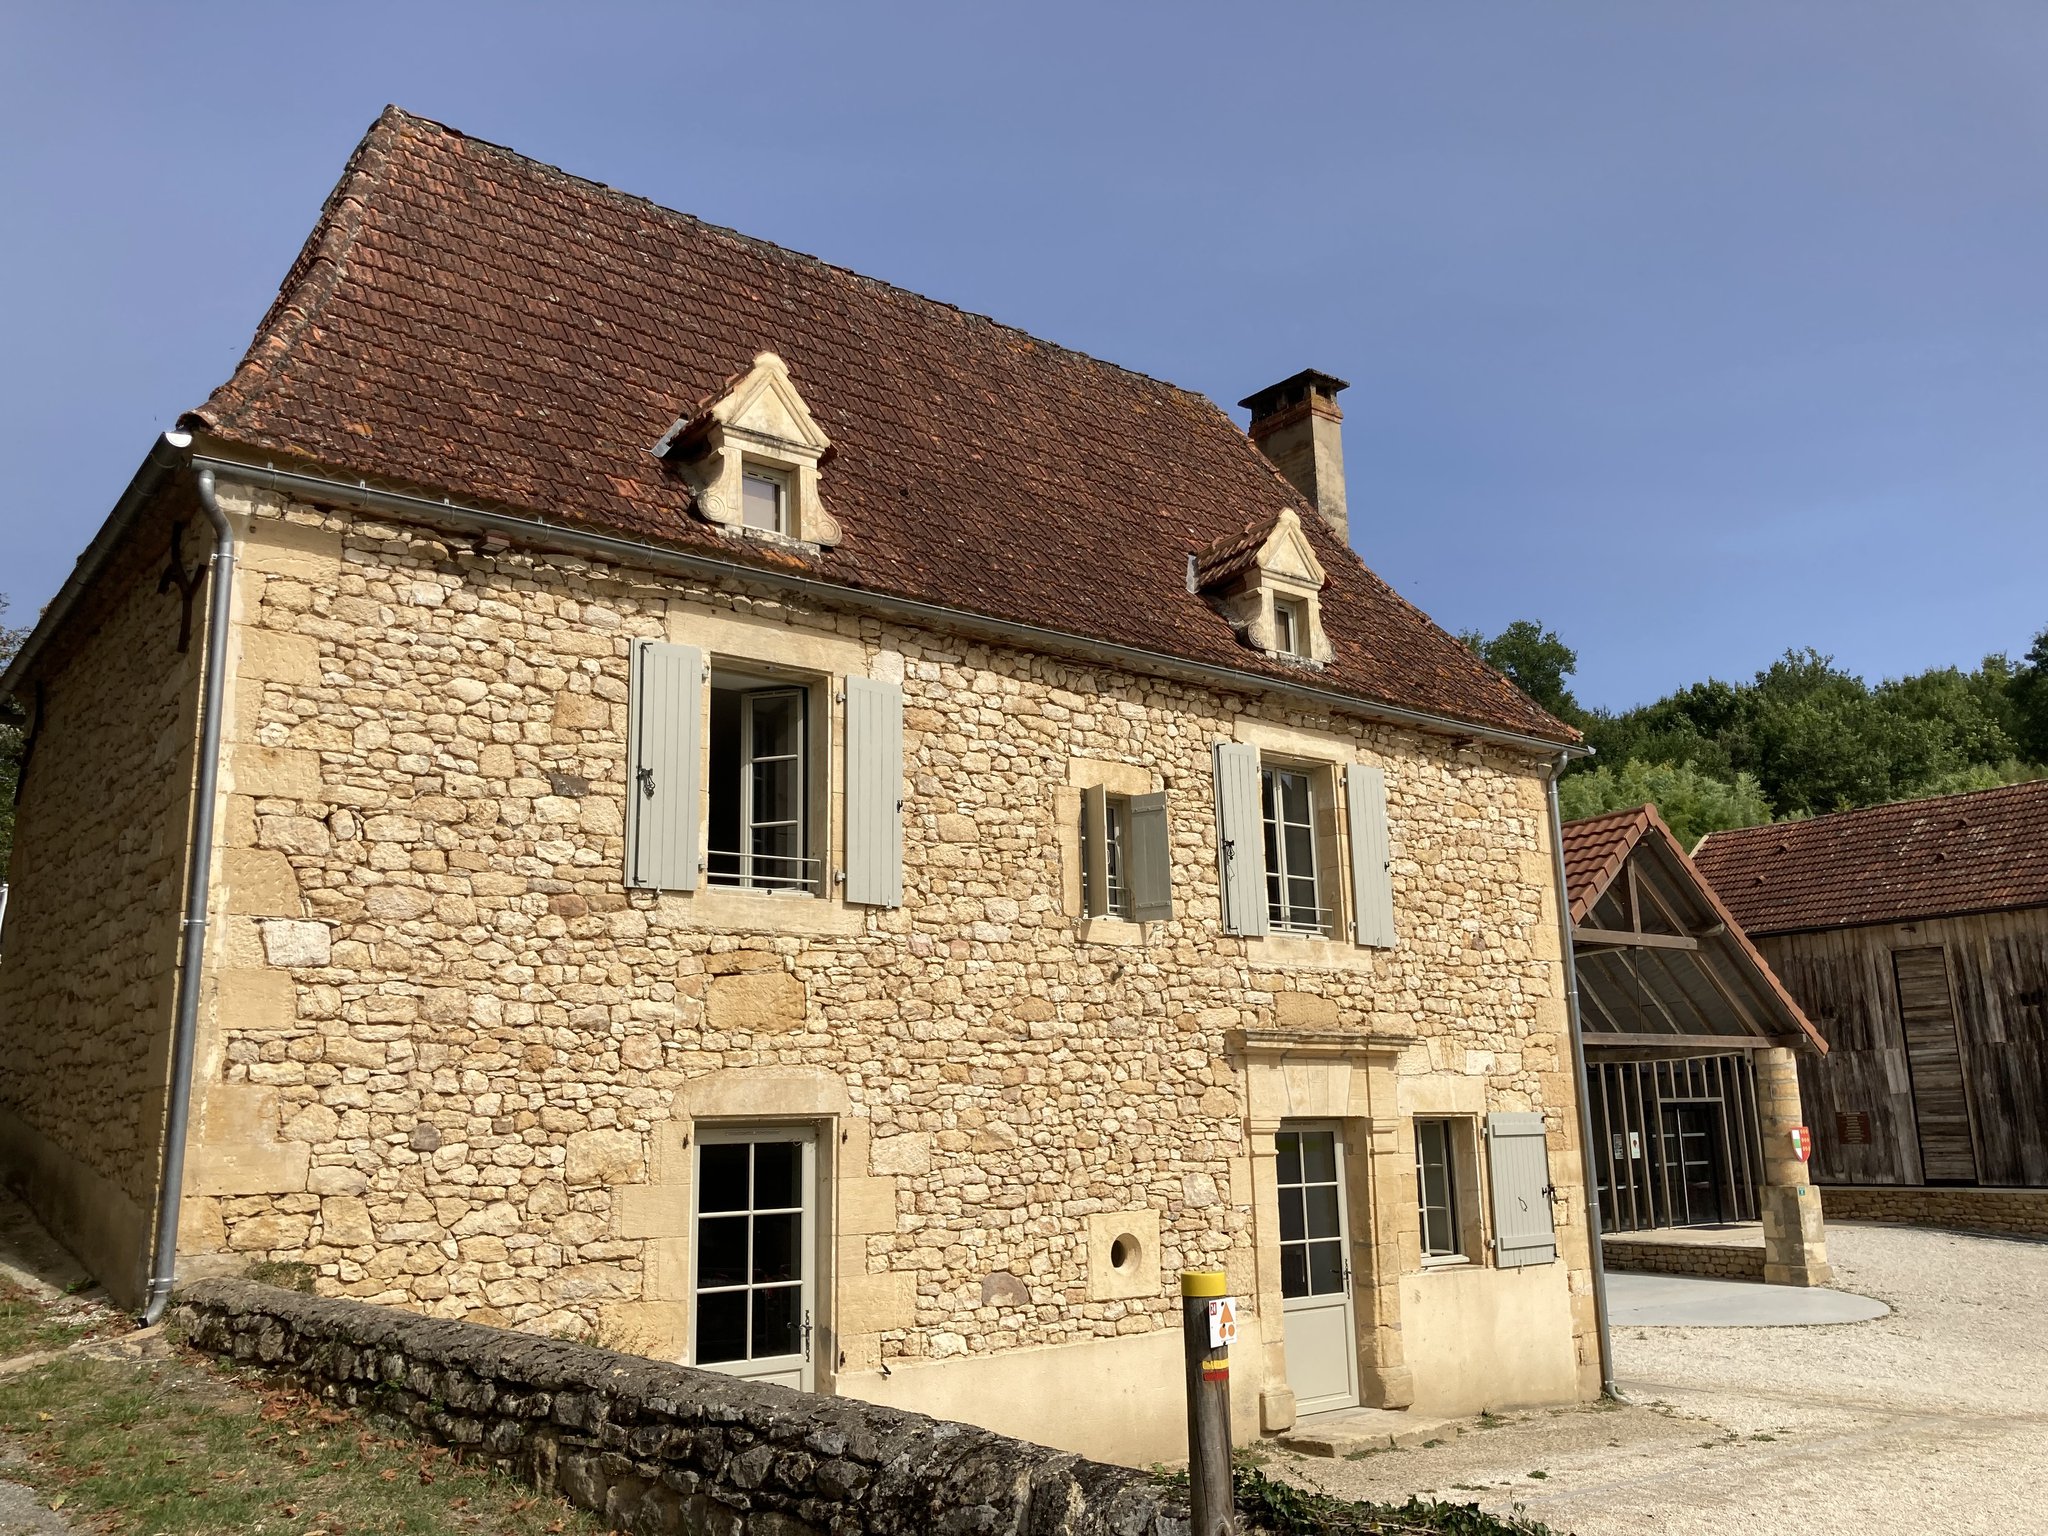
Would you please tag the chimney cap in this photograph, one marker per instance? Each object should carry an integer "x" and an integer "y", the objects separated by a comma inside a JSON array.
[{"x": 1292, "y": 391}]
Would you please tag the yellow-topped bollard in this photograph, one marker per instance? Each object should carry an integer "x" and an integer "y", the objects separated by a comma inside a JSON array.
[{"x": 1208, "y": 1315}]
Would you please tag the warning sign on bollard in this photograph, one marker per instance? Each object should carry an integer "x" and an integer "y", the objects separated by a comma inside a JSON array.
[{"x": 1222, "y": 1321}]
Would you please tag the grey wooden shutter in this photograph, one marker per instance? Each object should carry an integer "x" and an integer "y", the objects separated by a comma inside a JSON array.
[
  {"x": 1095, "y": 851},
  {"x": 1372, "y": 882},
  {"x": 1240, "y": 838},
  {"x": 664, "y": 747},
  {"x": 1519, "y": 1165},
  {"x": 1148, "y": 855},
  {"x": 874, "y": 792}
]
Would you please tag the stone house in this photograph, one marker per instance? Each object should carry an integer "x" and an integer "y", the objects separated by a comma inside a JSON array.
[{"x": 763, "y": 817}]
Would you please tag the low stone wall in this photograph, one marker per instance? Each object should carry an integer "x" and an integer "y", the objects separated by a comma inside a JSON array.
[
  {"x": 664, "y": 1448},
  {"x": 1707, "y": 1260},
  {"x": 2023, "y": 1211}
]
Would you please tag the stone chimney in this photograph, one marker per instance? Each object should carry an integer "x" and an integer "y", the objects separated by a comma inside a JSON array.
[{"x": 1297, "y": 425}]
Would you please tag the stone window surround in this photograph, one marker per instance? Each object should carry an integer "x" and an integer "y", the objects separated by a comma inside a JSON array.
[
  {"x": 1126, "y": 779},
  {"x": 1326, "y": 755},
  {"x": 1343, "y": 1074},
  {"x": 1461, "y": 1100},
  {"x": 760, "y": 422},
  {"x": 855, "y": 1308},
  {"x": 741, "y": 638},
  {"x": 1467, "y": 1208}
]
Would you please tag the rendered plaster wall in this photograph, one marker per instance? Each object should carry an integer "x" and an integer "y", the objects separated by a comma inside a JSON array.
[
  {"x": 453, "y": 1064},
  {"x": 88, "y": 960}
]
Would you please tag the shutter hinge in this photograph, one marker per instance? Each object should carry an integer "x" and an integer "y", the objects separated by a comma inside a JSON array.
[{"x": 839, "y": 877}]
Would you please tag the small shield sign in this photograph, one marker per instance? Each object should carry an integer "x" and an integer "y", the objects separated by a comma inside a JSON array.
[{"x": 1802, "y": 1142}]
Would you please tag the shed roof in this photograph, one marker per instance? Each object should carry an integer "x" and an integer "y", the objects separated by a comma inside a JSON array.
[
  {"x": 471, "y": 323},
  {"x": 1984, "y": 851},
  {"x": 1661, "y": 960}
]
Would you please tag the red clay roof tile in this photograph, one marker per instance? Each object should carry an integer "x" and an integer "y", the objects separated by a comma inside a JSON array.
[
  {"x": 1978, "y": 852},
  {"x": 472, "y": 323}
]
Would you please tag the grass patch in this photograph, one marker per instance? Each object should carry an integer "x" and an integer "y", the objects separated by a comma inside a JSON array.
[
  {"x": 179, "y": 1446},
  {"x": 27, "y": 1328}
]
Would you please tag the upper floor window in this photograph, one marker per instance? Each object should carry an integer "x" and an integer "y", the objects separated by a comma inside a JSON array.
[
  {"x": 1126, "y": 856},
  {"x": 1104, "y": 859},
  {"x": 764, "y": 499},
  {"x": 763, "y": 821},
  {"x": 1293, "y": 885}
]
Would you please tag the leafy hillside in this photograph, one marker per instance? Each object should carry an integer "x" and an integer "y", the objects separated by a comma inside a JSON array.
[{"x": 1802, "y": 738}]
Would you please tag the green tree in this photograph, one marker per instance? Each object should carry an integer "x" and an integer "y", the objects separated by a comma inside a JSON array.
[
  {"x": 1536, "y": 661},
  {"x": 2027, "y": 693},
  {"x": 1692, "y": 803},
  {"x": 10, "y": 746}
]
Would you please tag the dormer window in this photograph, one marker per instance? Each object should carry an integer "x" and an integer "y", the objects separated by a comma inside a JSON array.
[
  {"x": 1290, "y": 626},
  {"x": 1265, "y": 579},
  {"x": 764, "y": 499},
  {"x": 753, "y": 454}
]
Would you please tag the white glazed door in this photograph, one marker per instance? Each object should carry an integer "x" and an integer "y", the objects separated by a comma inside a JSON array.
[
  {"x": 1315, "y": 1269},
  {"x": 755, "y": 1254}
]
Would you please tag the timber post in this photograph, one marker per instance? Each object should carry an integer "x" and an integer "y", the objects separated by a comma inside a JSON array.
[{"x": 1212, "y": 1505}]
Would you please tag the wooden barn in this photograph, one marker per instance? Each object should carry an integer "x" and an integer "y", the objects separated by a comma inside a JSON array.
[
  {"x": 1916, "y": 938},
  {"x": 1690, "y": 1041}
]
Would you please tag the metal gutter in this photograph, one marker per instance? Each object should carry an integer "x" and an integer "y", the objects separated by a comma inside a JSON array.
[
  {"x": 198, "y": 886},
  {"x": 609, "y": 547},
  {"x": 1589, "y": 1182}
]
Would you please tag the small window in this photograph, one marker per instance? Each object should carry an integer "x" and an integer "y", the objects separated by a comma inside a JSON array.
[
  {"x": 1436, "y": 1182},
  {"x": 1104, "y": 868},
  {"x": 1290, "y": 626},
  {"x": 764, "y": 499},
  {"x": 764, "y": 820},
  {"x": 1293, "y": 889}
]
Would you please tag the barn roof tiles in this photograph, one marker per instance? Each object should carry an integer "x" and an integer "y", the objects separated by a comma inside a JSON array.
[
  {"x": 1978, "y": 852},
  {"x": 471, "y": 323}
]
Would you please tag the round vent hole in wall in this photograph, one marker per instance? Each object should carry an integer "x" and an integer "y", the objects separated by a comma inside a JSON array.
[{"x": 1123, "y": 1254}]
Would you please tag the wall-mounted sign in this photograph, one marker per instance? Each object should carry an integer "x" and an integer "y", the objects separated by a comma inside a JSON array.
[
  {"x": 1222, "y": 1322},
  {"x": 1635, "y": 1143},
  {"x": 1852, "y": 1127},
  {"x": 1620, "y": 1145},
  {"x": 1802, "y": 1142}
]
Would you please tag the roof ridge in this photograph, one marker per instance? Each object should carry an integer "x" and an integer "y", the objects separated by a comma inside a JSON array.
[{"x": 726, "y": 230}]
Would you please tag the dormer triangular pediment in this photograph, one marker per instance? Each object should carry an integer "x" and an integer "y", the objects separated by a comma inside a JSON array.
[
  {"x": 1287, "y": 554},
  {"x": 764, "y": 403}
]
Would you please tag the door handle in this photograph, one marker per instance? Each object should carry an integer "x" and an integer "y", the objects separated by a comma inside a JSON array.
[{"x": 807, "y": 1336}]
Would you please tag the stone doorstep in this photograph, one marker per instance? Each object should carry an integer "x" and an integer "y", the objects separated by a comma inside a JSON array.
[{"x": 1361, "y": 1431}]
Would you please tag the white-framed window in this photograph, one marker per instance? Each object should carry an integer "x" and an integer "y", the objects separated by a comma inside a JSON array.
[
  {"x": 1105, "y": 865},
  {"x": 1436, "y": 1183},
  {"x": 764, "y": 498},
  {"x": 766, "y": 807},
  {"x": 1290, "y": 626},
  {"x": 1294, "y": 901},
  {"x": 755, "y": 1260}
]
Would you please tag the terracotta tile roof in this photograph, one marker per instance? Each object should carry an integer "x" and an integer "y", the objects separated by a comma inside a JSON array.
[
  {"x": 1597, "y": 848},
  {"x": 1233, "y": 553},
  {"x": 468, "y": 322},
  {"x": 1919, "y": 858}
]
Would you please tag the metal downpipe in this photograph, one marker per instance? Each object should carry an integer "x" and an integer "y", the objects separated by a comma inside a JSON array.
[
  {"x": 1589, "y": 1182},
  {"x": 198, "y": 886}
]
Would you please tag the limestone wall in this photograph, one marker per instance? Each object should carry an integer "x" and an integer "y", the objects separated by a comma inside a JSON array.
[
  {"x": 1713, "y": 1261},
  {"x": 88, "y": 965},
  {"x": 1964, "y": 1210},
  {"x": 654, "y": 1447},
  {"x": 452, "y": 1063}
]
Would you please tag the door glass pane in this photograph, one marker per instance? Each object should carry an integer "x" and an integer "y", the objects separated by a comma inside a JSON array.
[
  {"x": 1325, "y": 1268},
  {"x": 1288, "y": 1144},
  {"x": 1292, "y": 1226},
  {"x": 776, "y": 1253},
  {"x": 1319, "y": 1157},
  {"x": 778, "y": 1167},
  {"x": 722, "y": 1250},
  {"x": 1293, "y": 1270},
  {"x": 775, "y": 1323},
  {"x": 722, "y": 1177},
  {"x": 721, "y": 1327},
  {"x": 1322, "y": 1210}
]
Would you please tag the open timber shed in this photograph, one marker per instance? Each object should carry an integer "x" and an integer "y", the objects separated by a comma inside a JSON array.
[{"x": 1691, "y": 1041}]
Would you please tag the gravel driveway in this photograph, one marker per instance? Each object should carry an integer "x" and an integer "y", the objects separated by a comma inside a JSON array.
[{"x": 1933, "y": 1419}]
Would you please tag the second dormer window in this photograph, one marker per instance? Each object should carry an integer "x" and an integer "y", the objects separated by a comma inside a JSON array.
[{"x": 764, "y": 498}]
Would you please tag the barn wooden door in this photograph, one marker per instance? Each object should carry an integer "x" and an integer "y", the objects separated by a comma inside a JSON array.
[{"x": 1934, "y": 1061}]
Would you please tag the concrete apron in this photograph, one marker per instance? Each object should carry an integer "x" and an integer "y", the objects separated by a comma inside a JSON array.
[{"x": 1685, "y": 1301}]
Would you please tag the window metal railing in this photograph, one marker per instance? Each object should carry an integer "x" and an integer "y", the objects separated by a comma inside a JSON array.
[{"x": 746, "y": 871}]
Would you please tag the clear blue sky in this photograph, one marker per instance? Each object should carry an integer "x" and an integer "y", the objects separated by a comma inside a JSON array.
[{"x": 1694, "y": 331}]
